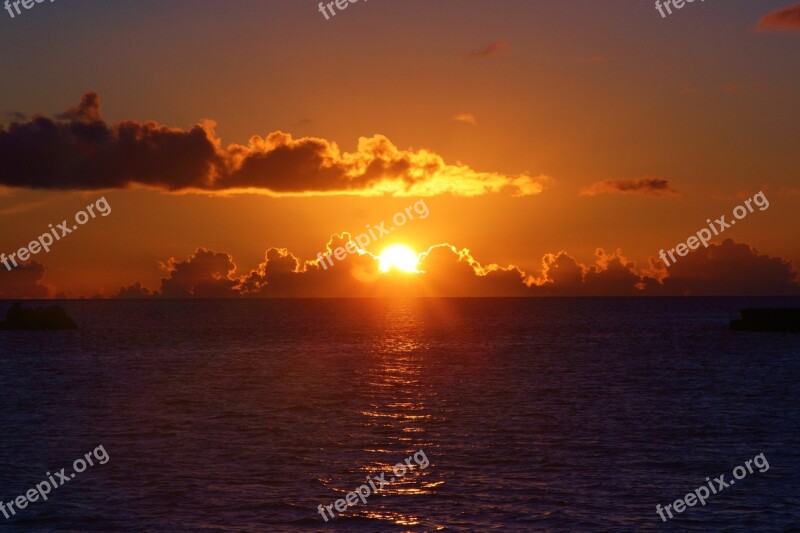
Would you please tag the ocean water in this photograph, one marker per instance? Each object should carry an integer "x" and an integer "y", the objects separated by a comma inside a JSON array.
[{"x": 535, "y": 415}]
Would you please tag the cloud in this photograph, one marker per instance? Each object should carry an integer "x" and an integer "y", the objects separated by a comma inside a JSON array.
[
  {"x": 721, "y": 269},
  {"x": 727, "y": 268},
  {"x": 787, "y": 19},
  {"x": 610, "y": 275},
  {"x": 448, "y": 270},
  {"x": 560, "y": 274},
  {"x": 204, "y": 274},
  {"x": 492, "y": 49},
  {"x": 134, "y": 291},
  {"x": 79, "y": 151},
  {"x": 644, "y": 186},
  {"x": 731, "y": 269},
  {"x": 85, "y": 153},
  {"x": 467, "y": 118},
  {"x": 15, "y": 116},
  {"x": 23, "y": 282},
  {"x": 87, "y": 111}
]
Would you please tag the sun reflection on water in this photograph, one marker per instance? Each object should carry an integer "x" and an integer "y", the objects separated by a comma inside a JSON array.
[{"x": 399, "y": 409}]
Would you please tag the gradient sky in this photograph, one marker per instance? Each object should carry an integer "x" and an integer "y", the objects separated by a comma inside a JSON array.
[{"x": 571, "y": 93}]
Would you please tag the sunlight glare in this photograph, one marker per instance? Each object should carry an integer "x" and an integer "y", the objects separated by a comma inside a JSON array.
[{"x": 398, "y": 257}]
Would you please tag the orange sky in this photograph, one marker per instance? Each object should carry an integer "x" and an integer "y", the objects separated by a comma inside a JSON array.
[{"x": 528, "y": 130}]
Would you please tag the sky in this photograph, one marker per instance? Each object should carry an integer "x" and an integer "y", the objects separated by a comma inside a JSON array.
[{"x": 559, "y": 146}]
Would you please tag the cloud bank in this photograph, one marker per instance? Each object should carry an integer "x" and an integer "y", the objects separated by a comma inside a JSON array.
[
  {"x": 724, "y": 269},
  {"x": 78, "y": 150},
  {"x": 727, "y": 268}
]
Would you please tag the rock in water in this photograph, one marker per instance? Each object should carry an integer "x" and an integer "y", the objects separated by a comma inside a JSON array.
[
  {"x": 769, "y": 319},
  {"x": 51, "y": 317}
]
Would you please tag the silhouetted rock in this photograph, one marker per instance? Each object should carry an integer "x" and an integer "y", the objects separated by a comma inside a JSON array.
[
  {"x": 51, "y": 317},
  {"x": 785, "y": 319}
]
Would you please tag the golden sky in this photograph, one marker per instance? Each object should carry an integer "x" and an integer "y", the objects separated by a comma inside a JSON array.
[{"x": 563, "y": 147}]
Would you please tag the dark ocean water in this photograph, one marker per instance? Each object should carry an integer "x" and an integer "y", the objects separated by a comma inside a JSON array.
[{"x": 536, "y": 415}]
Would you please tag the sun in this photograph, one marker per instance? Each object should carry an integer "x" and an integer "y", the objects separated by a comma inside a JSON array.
[{"x": 398, "y": 257}]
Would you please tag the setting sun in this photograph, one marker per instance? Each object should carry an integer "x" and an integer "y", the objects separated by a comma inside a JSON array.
[{"x": 398, "y": 257}]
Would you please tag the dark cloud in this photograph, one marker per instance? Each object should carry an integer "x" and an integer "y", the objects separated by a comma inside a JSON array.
[
  {"x": 560, "y": 275},
  {"x": 724, "y": 269},
  {"x": 645, "y": 186},
  {"x": 448, "y": 271},
  {"x": 284, "y": 275},
  {"x": 278, "y": 275},
  {"x": 85, "y": 153},
  {"x": 492, "y": 49},
  {"x": 612, "y": 275},
  {"x": 15, "y": 116},
  {"x": 134, "y": 291},
  {"x": 87, "y": 111},
  {"x": 730, "y": 268},
  {"x": 23, "y": 282},
  {"x": 727, "y": 268},
  {"x": 787, "y": 19},
  {"x": 204, "y": 274},
  {"x": 79, "y": 150}
]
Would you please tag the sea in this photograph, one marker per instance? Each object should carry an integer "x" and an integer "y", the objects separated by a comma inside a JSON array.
[{"x": 549, "y": 414}]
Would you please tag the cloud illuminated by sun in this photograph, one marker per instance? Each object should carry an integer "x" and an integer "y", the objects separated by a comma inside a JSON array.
[{"x": 398, "y": 257}]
